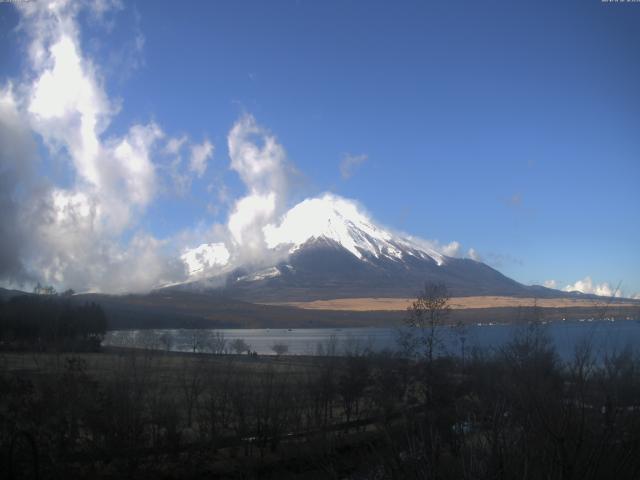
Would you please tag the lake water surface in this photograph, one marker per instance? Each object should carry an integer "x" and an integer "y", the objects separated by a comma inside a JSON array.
[{"x": 606, "y": 337}]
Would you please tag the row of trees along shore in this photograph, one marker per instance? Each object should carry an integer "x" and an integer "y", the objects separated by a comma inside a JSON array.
[
  {"x": 45, "y": 322},
  {"x": 512, "y": 412}
]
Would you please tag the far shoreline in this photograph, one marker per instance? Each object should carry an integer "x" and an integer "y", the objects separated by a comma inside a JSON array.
[{"x": 390, "y": 304}]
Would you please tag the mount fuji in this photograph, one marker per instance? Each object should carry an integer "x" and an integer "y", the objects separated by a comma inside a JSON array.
[{"x": 327, "y": 248}]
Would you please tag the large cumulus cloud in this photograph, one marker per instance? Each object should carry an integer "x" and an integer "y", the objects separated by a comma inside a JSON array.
[{"x": 72, "y": 235}]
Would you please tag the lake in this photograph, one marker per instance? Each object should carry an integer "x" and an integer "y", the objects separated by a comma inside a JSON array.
[{"x": 606, "y": 337}]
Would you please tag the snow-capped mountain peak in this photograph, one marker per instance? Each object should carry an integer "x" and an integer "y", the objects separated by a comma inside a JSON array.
[
  {"x": 341, "y": 221},
  {"x": 329, "y": 218}
]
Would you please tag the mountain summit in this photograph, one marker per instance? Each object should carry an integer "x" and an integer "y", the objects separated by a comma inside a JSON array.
[
  {"x": 327, "y": 248},
  {"x": 334, "y": 219}
]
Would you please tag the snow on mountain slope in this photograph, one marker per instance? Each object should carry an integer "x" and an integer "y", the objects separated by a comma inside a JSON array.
[
  {"x": 337, "y": 219},
  {"x": 271, "y": 272},
  {"x": 325, "y": 220}
]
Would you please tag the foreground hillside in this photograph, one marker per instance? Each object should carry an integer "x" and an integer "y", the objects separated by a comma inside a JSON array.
[{"x": 514, "y": 413}]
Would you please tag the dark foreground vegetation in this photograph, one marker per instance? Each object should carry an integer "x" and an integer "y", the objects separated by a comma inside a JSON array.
[{"x": 514, "y": 413}]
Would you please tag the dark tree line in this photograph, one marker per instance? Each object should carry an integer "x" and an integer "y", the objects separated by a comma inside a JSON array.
[{"x": 39, "y": 321}]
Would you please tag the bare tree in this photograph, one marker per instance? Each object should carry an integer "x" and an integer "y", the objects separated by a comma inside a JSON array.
[
  {"x": 352, "y": 384},
  {"x": 197, "y": 339},
  {"x": 217, "y": 342},
  {"x": 216, "y": 410},
  {"x": 328, "y": 347},
  {"x": 192, "y": 386},
  {"x": 461, "y": 331},
  {"x": 426, "y": 314}
]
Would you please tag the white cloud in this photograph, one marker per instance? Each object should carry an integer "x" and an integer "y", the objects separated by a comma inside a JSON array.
[
  {"x": 586, "y": 285},
  {"x": 261, "y": 163},
  {"x": 100, "y": 7},
  {"x": 174, "y": 145},
  {"x": 249, "y": 211},
  {"x": 132, "y": 155},
  {"x": 72, "y": 236},
  {"x": 474, "y": 255},
  {"x": 550, "y": 284},
  {"x": 69, "y": 108},
  {"x": 451, "y": 249},
  {"x": 636, "y": 296},
  {"x": 17, "y": 161},
  {"x": 350, "y": 163},
  {"x": 199, "y": 156},
  {"x": 257, "y": 157},
  {"x": 204, "y": 258}
]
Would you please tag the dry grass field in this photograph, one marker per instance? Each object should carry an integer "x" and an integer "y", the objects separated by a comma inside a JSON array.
[{"x": 457, "y": 303}]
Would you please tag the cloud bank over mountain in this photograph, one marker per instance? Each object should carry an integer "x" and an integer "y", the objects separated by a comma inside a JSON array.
[{"x": 587, "y": 285}]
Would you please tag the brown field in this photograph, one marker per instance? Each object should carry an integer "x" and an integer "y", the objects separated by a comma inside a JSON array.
[{"x": 457, "y": 303}]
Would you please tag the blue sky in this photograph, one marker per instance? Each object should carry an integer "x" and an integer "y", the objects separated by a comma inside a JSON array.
[{"x": 509, "y": 127}]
